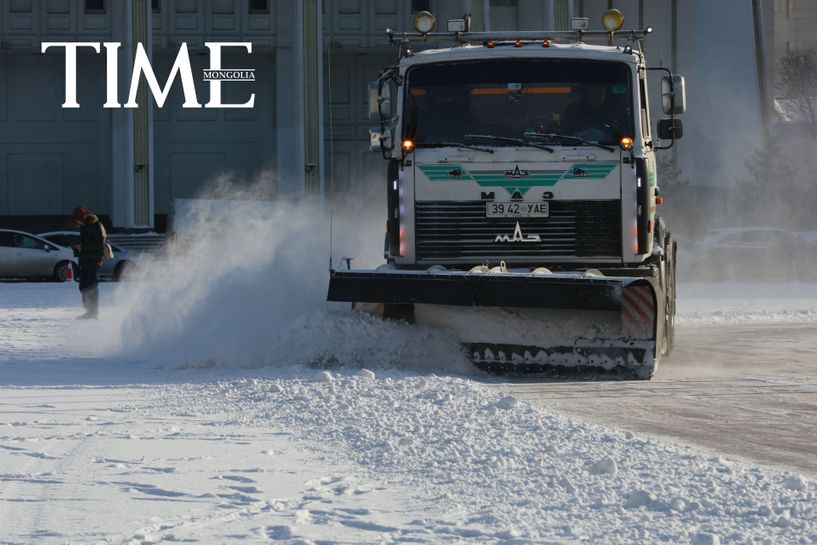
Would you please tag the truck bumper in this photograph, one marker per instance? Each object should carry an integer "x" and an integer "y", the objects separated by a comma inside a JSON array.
[{"x": 510, "y": 289}]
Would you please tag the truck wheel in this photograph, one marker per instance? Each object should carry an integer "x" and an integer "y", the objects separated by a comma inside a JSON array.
[{"x": 671, "y": 248}]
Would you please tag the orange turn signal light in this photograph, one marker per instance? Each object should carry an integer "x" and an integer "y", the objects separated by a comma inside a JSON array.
[
  {"x": 626, "y": 143},
  {"x": 659, "y": 200},
  {"x": 408, "y": 146},
  {"x": 545, "y": 43}
]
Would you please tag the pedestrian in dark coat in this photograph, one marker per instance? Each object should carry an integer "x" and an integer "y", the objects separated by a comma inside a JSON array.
[{"x": 90, "y": 251}]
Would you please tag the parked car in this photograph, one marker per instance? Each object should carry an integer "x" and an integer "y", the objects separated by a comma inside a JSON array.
[
  {"x": 751, "y": 254},
  {"x": 23, "y": 255},
  {"x": 118, "y": 268}
]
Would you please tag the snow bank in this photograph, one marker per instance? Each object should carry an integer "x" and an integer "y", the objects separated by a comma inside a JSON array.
[
  {"x": 488, "y": 470},
  {"x": 451, "y": 459},
  {"x": 763, "y": 303}
]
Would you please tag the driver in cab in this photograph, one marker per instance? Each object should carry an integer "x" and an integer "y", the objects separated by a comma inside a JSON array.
[{"x": 595, "y": 116}]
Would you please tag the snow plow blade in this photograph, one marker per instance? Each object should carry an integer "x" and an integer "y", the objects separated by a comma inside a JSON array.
[{"x": 522, "y": 321}]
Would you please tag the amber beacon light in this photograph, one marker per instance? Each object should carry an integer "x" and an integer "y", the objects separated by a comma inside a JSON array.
[
  {"x": 612, "y": 20},
  {"x": 626, "y": 143}
]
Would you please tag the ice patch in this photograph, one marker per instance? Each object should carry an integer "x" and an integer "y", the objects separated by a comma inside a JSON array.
[
  {"x": 639, "y": 498},
  {"x": 794, "y": 482},
  {"x": 302, "y": 516},
  {"x": 605, "y": 466},
  {"x": 507, "y": 403},
  {"x": 279, "y": 532},
  {"x": 704, "y": 538}
]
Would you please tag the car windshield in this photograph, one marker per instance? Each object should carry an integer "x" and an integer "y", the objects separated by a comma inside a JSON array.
[{"x": 508, "y": 98}]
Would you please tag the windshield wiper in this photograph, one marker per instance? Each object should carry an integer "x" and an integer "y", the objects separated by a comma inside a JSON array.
[
  {"x": 565, "y": 137},
  {"x": 451, "y": 145},
  {"x": 517, "y": 141}
]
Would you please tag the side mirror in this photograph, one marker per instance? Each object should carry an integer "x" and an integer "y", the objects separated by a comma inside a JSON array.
[
  {"x": 670, "y": 129},
  {"x": 673, "y": 94},
  {"x": 385, "y": 102},
  {"x": 379, "y": 141},
  {"x": 374, "y": 95},
  {"x": 379, "y": 101}
]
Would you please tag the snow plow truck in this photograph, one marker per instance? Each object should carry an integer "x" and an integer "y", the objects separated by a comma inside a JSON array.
[{"x": 522, "y": 196}]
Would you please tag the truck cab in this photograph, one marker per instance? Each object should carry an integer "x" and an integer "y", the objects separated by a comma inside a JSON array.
[
  {"x": 522, "y": 197},
  {"x": 525, "y": 151}
]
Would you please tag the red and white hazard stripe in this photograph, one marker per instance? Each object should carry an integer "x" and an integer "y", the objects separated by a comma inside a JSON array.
[{"x": 637, "y": 310}]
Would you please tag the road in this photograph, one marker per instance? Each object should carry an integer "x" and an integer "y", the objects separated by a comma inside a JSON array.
[{"x": 747, "y": 391}]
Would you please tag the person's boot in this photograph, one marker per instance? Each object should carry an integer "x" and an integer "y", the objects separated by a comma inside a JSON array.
[
  {"x": 84, "y": 294},
  {"x": 93, "y": 303},
  {"x": 90, "y": 300}
]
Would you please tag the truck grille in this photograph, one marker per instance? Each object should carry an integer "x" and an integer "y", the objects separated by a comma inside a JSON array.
[{"x": 459, "y": 231}]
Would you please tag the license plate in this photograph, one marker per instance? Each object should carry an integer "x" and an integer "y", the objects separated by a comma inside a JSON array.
[{"x": 517, "y": 209}]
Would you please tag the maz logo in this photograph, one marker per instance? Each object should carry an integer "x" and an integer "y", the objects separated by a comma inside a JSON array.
[
  {"x": 516, "y": 173},
  {"x": 214, "y": 75},
  {"x": 517, "y": 236}
]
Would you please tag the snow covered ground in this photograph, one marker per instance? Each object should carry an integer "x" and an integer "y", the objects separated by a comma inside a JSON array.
[
  {"x": 766, "y": 303},
  {"x": 340, "y": 429},
  {"x": 220, "y": 400}
]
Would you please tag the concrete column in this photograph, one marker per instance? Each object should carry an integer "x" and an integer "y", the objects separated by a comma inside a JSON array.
[
  {"x": 142, "y": 125},
  {"x": 312, "y": 118},
  {"x": 549, "y": 7},
  {"x": 122, "y": 121},
  {"x": 132, "y": 192},
  {"x": 289, "y": 127},
  {"x": 562, "y": 12},
  {"x": 477, "y": 11}
]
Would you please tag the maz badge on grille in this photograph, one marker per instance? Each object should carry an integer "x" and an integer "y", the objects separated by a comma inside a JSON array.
[
  {"x": 517, "y": 236},
  {"x": 516, "y": 173}
]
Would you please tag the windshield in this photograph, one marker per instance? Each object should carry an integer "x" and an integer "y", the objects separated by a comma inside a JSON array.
[{"x": 510, "y": 97}]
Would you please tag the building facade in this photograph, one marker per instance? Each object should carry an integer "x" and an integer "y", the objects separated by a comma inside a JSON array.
[
  {"x": 307, "y": 134},
  {"x": 795, "y": 22}
]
